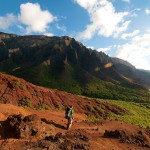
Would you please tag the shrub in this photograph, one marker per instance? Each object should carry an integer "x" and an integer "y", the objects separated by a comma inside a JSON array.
[
  {"x": 43, "y": 107},
  {"x": 94, "y": 119},
  {"x": 25, "y": 102},
  {"x": 16, "y": 84}
]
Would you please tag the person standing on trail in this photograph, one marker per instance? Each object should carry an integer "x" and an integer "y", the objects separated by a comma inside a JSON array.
[{"x": 69, "y": 116}]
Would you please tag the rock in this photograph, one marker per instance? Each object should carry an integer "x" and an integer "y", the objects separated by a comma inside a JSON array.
[
  {"x": 140, "y": 138},
  {"x": 114, "y": 134},
  {"x": 18, "y": 126}
]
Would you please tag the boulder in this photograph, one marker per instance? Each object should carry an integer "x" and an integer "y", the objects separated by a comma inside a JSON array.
[{"x": 18, "y": 126}]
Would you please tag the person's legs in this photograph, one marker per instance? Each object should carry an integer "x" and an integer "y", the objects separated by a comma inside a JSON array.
[{"x": 69, "y": 123}]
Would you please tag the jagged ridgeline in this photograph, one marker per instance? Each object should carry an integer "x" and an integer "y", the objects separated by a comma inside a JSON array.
[{"x": 66, "y": 64}]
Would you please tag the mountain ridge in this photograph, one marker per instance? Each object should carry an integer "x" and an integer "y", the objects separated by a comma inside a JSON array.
[{"x": 46, "y": 61}]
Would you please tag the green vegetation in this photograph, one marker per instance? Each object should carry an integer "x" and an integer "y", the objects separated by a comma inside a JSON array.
[
  {"x": 47, "y": 76},
  {"x": 62, "y": 80},
  {"x": 59, "y": 108},
  {"x": 96, "y": 110},
  {"x": 25, "y": 102},
  {"x": 72, "y": 81},
  {"x": 139, "y": 113},
  {"x": 17, "y": 84},
  {"x": 94, "y": 119},
  {"x": 43, "y": 107},
  {"x": 97, "y": 88}
]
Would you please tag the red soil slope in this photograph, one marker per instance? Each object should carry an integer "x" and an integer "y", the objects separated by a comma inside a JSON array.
[{"x": 13, "y": 90}]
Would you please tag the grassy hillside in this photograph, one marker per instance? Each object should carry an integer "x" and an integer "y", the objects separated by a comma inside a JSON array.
[
  {"x": 138, "y": 113},
  {"x": 108, "y": 90},
  {"x": 47, "y": 76},
  {"x": 78, "y": 82}
]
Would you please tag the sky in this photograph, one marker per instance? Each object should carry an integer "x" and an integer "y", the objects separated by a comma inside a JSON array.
[{"x": 120, "y": 28}]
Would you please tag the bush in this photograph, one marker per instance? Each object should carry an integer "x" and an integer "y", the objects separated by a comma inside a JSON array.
[
  {"x": 94, "y": 119},
  {"x": 43, "y": 107},
  {"x": 25, "y": 102}
]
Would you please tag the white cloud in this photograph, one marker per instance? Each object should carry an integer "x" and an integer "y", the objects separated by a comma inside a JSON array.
[
  {"x": 104, "y": 19},
  {"x": 48, "y": 34},
  {"x": 7, "y": 21},
  {"x": 147, "y": 11},
  {"x": 134, "y": 12},
  {"x": 62, "y": 28},
  {"x": 91, "y": 47},
  {"x": 125, "y": 36},
  {"x": 36, "y": 19},
  {"x": 137, "y": 52},
  {"x": 107, "y": 49},
  {"x": 128, "y": 1},
  {"x": 104, "y": 49}
]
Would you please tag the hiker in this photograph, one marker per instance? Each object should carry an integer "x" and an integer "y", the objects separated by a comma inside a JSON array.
[{"x": 69, "y": 116}]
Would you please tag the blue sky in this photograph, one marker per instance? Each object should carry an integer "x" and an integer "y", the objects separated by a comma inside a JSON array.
[{"x": 120, "y": 28}]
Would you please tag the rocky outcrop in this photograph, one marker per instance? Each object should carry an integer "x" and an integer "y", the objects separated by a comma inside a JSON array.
[
  {"x": 140, "y": 138},
  {"x": 29, "y": 127}
]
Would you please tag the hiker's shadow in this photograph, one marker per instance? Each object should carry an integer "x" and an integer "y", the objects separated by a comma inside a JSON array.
[{"x": 52, "y": 123}]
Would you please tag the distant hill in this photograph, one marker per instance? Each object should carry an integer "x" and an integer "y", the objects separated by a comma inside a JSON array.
[
  {"x": 66, "y": 64},
  {"x": 138, "y": 75}
]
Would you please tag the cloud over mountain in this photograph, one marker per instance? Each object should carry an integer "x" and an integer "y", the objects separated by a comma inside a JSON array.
[
  {"x": 7, "y": 21},
  {"x": 137, "y": 51},
  {"x": 36, "y": 19},
  {"x": 105, "y": 20}
]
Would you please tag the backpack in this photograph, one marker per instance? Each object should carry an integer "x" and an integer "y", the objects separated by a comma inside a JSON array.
[{"x": 67, "y": 113}]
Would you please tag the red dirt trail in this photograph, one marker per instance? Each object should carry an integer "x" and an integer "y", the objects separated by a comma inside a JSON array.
[{"x": 94, "y": 131}]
